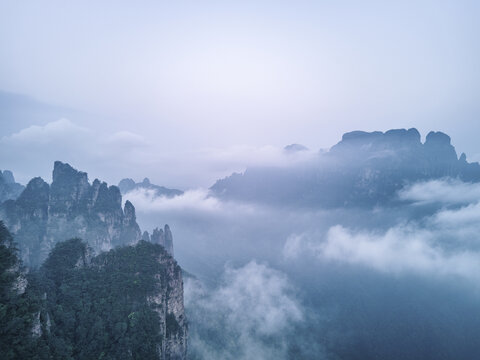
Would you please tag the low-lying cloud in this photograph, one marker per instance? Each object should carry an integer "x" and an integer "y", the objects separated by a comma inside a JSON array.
[
  {"x": 399, "y": 250},
  {"x": 252, "y": 315},
  {"x": 445, "y": 243},
  {"x": 445, "y": 191}
]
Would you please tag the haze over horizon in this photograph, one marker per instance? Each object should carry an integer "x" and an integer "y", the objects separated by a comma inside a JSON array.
[{"x": 214, "y": 87}]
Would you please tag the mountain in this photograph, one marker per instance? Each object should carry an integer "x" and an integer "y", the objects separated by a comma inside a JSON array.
[
  {"x": 127, "y": 185},
  {"x": 123, "y": 304},
  {"x": 363, "y": 169},
  {"x": 9, "y": 189},
  {"x": 69, "y": 207}
]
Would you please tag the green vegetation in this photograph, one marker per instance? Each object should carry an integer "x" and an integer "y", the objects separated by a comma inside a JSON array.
[{"x": 83, "y": 307}]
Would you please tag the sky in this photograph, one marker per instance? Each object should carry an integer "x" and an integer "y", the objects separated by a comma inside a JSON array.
[{"x": 187, "y": 91}]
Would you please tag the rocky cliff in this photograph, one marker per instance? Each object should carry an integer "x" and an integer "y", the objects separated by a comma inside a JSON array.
[
  {"x": 363, "y": 169},
  {"x": 69, "y": 207}
]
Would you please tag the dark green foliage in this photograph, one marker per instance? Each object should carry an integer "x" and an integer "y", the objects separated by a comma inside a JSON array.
[{"x": 100, "y": 311}]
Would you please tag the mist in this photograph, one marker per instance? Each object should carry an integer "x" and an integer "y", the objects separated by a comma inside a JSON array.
[{"x": 325, "y": 197}]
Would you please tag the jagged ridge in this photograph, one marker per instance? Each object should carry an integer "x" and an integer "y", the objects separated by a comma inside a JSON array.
[
  {"x": 70, "y": 207},
  {"x": 363, "y": 169}
]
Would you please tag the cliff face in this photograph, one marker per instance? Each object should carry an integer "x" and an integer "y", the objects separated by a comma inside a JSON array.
[
  {"x": 168, "y": 303},
  {"x": 363, "y": 169},
  {"x": 70, "y": 207}
]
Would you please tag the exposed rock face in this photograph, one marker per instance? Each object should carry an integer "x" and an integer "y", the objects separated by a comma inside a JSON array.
[
  {"x": 70, "y": 207},
  {"x": 9, "y": 189},
  {"x": 170, "y": 308},
  {"x": 363, "y": 169},
  {"x": 127, "y": 185}
]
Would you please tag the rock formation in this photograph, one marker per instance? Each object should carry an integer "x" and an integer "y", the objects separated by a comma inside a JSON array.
[
  {"x": 70, "y": 207},
  {"x": 163, "y": 237}
]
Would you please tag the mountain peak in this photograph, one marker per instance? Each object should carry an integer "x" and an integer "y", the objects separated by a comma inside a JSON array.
[{"x": 292, "y": 148}]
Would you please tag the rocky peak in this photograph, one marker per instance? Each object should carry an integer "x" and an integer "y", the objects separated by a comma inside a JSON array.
[
  {"x": 163, "y": 237},
  {"x": 439, "y": 147},
  {"x": 146, "y": 181},
  {"x": 35, "y": 194},
  {"x": 126, "y": 185},
  {"x": 364, "y": 168},
  {"x": 402, "y": 135},
  {"x": 438, "y": 138},
  {"x": 168, "y": 240},
  {"x": 158, "y": 236},
  {"x": 9, "y": 189},
  {"x": 64, "y": 174},
  {"x": 146, "y": 236},
  {"x": 71, "y": 207},
  {"x": 361, "y": 141},
  {"x": 7, "y": 176},
  {"x": 129, "y": 211}
]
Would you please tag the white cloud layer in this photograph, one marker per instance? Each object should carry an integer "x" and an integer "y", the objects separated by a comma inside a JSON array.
[
  {"x": 399, "y": 250},
  {"x": 445, "y": 244},
  {"x": 445, "y": 191}
]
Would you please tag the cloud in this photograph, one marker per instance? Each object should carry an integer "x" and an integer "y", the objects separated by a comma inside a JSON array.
[
  {"x": 37, "y": 147},
  {"x": 118, "y": 153},
  {"x": 445, "y": 191},
  {"x": 193, "y": 200},
  {"x": 242, "y": 156},
  {"x": 294, "y": 246},
  {"x": 52, "y": 132},
  {"x": 251, "y": 314},
  {"x": 399, "y": 250},
  {"x": 126, "y": 139},
  {"x": 403, "y": 249},
  {"x": 197, "y": 201}
]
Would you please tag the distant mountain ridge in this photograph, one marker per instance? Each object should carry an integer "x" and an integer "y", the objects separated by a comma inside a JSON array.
[
  {"x": 363, "y": 169},
  {"x": 70, "y": 207},
  {"x": 127, "y": 185}
]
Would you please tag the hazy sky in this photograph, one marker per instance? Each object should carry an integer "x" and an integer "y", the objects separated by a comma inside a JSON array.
[{"x": 186, "y": 77}]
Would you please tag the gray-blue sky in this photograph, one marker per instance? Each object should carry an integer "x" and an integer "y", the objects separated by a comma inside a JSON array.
[{"x": 190, "y": 75}]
